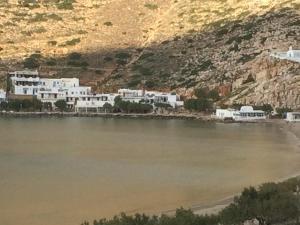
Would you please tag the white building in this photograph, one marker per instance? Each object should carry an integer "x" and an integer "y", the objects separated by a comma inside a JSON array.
[
  {"x": 246, "y": 113},
  {"x": 51, "y": 95},
  {"x": 74, "y": 94},
  {"x": 24, "y": 82},
  {"x": 292, "y": 55},
  {"x": 68, "y": 89},
  {"x": 150, "y": 97},
  {"x": 131, "y": 95},
  {"x": 293, "y": 116},
  {"x": 80, "y": 98},
  {"x": 29, "y": 83},
  {"x": 224, "y": 114},
  {"x": 94, "y": 103},
  {"x": 2, "y": 95}
]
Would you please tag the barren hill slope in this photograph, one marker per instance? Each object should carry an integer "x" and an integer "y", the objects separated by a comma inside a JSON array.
[{"x": 164, "y": 44}]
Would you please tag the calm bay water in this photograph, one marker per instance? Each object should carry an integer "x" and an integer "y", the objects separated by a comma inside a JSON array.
[{"x": 63, "y": 171}]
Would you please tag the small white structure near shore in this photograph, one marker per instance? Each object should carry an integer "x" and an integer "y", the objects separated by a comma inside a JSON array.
[
  {"x": 246, "y": 113},
  {"x": 293, "y": 116}
]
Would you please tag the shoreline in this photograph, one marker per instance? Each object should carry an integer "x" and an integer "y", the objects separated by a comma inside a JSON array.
[
  {"x": 200, "y": 209},
  {"x": 180, "y": 116},
  {"x": 170, "y": 116},
  {"x": 215, "y": 207}
]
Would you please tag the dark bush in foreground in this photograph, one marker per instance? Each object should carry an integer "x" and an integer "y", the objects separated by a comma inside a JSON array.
[
  {"x": 269, "y": 204},
  {"x": 132, "y": 107},
  {"x": 22, "y": 105}
]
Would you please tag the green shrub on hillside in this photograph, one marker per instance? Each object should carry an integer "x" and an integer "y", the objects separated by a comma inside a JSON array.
[
  {"x": 65, "y": 4},
  {"x": 123, "y": 55},
  {"x": 29, "y": 3},
  {"x": 108, "y": 23},
  {"x": 72, "y": 42},
  {"x": 53, "y": 43},
  {"x": 74, "y": 56},
  {"x": 31, "y": 63},
  {"x": 151, "y": 6},
  {"x": 39, "y": 17}
]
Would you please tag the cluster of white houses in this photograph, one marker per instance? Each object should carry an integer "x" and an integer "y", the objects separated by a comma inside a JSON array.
[{"x": 79, "y": 98}]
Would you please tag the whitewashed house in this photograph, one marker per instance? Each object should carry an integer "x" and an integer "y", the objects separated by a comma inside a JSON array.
[
  {"x": 225, "y": 114},
  {"x": 94, "y": 103},
  {"x": 51, "y": 95},
  {"x": 150, "y": 97},
  {"x": 24, "y": 82},
  {"x": 74, "y": 94},
  {"x": 293, "y": 116},
  {"x": 131, "y": 95},
  {"x": 246, "y": 113}
]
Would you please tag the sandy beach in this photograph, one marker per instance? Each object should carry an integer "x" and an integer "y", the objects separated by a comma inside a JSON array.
[{"x": 294, "y": 130}]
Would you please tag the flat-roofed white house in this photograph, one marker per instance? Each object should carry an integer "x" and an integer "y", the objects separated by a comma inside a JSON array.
[
  {"x": 246, "y": 113},
  {"x": 74, "y": 94},
  {"x": 68, "y": 89},
  {"x": 131, "y": 95},
  {"x": 166, "y": 98},
  {"x": 51, "y": 95},
  {"x": 225, "y": 114},
  {"x": 24, "y": 82},
  {"x": 94, "y": 103},
  {"x": 293, "y": 116},
  {"x": 150, "y": 97},
  {"x": 2, "y": 95},
  {"x": 62, "y": 83}
]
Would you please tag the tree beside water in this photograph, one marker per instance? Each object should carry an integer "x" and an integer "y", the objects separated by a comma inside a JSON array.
[
  {"x": 131, "y": 107},
  {"x": 27, "y": 105},
  {"x": 204, "y": 100}
]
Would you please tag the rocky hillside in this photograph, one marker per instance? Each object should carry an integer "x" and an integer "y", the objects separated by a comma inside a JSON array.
[{"x": 162, "y": 44}]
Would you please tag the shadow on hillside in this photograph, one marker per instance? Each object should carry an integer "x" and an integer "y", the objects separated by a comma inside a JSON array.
[{"x": 219, "y": 54}]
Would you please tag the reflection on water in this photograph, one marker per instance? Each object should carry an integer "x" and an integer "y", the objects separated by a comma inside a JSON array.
[{"x": 63, "y": 171}]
